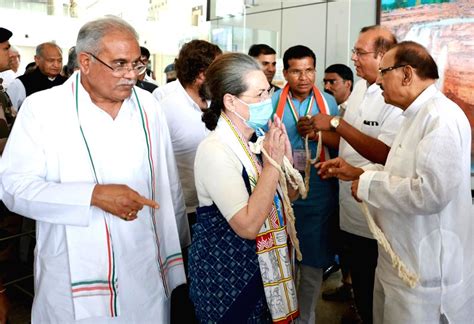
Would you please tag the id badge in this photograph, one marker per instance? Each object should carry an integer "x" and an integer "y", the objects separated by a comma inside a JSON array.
[{"x": 299, "y": 160}]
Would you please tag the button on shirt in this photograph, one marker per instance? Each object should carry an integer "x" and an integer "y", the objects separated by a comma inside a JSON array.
[
  {"x": 367, "y": 112},
  {"x": 186, "y": 130}
]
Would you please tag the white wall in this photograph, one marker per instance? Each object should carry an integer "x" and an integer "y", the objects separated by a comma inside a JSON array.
[{"x": 328, "y": 28}]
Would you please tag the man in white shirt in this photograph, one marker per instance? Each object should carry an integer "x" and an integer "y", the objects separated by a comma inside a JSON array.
[
  {"x": 183, "y": 103},
  {"x": 421, "y": 198},
  {"x": 338, "y": 81},
  {"x": 91, "y": 161},
  {"x": 366, "y": 135}
]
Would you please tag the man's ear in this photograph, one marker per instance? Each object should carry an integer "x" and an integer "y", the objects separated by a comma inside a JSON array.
[
  {"x": 201, "y": 77},
  {"x": 408, "y": 75},
  {"x": 84, "y": 60},
  {"x": 285, "y": 74}
]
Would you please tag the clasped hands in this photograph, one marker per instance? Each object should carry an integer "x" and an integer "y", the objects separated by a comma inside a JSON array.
[
  {"x": 120, "y": 200},
  {"x": 276, "y": 142},
  {"x": 339, "y": 168}
]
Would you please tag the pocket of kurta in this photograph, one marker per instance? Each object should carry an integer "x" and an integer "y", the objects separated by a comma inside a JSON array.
[{"x": 440, "y": 259}]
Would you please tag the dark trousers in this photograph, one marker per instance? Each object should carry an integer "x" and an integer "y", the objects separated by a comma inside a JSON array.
[
  {"x": 182, "y": 309},
  {"x": 361, "y": 258}
]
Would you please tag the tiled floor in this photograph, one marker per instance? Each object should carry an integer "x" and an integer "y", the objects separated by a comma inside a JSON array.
[{"x": 326, "y": 312}]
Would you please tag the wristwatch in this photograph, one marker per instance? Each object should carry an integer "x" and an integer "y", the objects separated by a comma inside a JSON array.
[{"x": 335, "y": 122}]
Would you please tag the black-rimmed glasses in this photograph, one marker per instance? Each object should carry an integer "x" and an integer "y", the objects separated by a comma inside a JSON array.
[
  {"x": 390, "y": 68},
  {"x": 121, "y": 68}
]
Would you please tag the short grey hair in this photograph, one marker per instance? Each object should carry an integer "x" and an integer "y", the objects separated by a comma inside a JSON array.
[
  {"x": 40, "y": 48},
  {"x": 91, "y": 34}
]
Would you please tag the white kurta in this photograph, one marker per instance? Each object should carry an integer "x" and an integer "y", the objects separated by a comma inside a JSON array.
[
  {"x": 367, "y": 112},
  {"x": 47, "y": 176},
  {"x": 422, "y": 202}
]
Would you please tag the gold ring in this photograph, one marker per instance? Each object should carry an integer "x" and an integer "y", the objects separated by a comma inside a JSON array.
[{"x": 131, "y": 213}]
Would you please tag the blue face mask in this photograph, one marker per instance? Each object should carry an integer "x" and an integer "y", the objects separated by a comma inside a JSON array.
[{"x": 260, "y": 113}]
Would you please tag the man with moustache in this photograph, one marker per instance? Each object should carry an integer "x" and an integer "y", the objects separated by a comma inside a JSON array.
[
  {"x": 266, "y": 56},
  {"x": 366, "y": 134},
  {"x": 49, "y": 63},
  {"x": 421, "y": 198},
  {"x": 338, "y": 81},
  {"x": 101, "y": 182},
  {"x": 297, "y": 100}
]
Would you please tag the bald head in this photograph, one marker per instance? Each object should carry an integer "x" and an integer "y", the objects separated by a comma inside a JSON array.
[{"x": 383, "y": 39}]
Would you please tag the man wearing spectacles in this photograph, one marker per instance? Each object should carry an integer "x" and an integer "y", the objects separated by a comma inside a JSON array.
[
  {"x": 366, "y": 134},
  {"x": 297, "y": 100},
  {"x": 91, "y": 161},
  {"x": 421, "y": 198},
  {"x": 49, "y": 63},
  {"x": 338, "y": 81}
]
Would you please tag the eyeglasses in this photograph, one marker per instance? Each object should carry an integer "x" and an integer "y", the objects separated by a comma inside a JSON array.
[
  {"x": 263, "y": 94},
  {"x": 300, "y": 73},
  {"x": 359, "y": 53},
  {"x": 121, "y": 68},
  {"x": 390, "y": 68}
]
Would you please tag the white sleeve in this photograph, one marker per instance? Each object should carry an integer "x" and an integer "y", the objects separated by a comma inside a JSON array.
[
  {"x": 391, "y": 122},
  {"x": 158, "y": 93},
  {"x": 17, "y": 93},
  {"x": 177, "y": 195},
  {"x": 218, "y": 177},
  {"x": 438, "y": 174},
  {"x": 25, "y": 188}
]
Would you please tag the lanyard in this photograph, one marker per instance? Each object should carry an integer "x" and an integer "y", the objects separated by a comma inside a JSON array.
[{"x": 285, "y": 97}]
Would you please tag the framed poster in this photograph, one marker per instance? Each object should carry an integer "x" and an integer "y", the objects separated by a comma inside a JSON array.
[{"x": 446, "y": 29}]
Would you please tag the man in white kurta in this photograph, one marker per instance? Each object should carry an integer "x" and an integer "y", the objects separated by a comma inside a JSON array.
[
  {"x": 421, "y": 199},
  {"x": 98, "y": 262}
]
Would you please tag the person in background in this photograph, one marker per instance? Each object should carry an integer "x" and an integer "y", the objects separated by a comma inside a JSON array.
[
  {"x": 338, "y": 81},
  {"x": 14, "y": 63},
  {"x": 145, "y": 85},
  {"x": 7, "y": 115},
  {"x": 5, "y": 36},
  {"x": 296, "y": 101},
  {"x": 30, "y": 67},
  {"x": 149, "y": 75},
  {"x": 421, "y": 198},
  {"x": 267, "y": 58},
  {"x": 101, "y": 182},
  {"x": 170, "y": 73},
  {"x": 183, "y": 105},
  {"x": 240, "y": 264},
  {"x": 72, "y": 65},
  {"x": 49, "y": 64}
]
